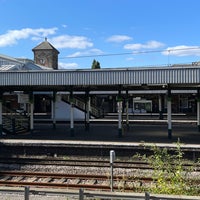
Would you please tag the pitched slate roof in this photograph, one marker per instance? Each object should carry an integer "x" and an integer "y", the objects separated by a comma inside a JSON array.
[{"x": 45, "y": 46}]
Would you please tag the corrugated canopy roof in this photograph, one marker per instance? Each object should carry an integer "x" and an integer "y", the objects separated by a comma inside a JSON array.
[{"x": 160, "y": 78}]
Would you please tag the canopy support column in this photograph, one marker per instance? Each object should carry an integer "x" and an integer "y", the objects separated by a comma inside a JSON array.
[
  {"x": 31, "y": 101},
  {"x": 1, "y": 114},
  {"x": 160, "y": 107},
  {"x": 169, "y": 113},
  {"x": 119, "y": 105},
  {"x": 198, "y": 110},
  {"x": 54, "y": 110},
  {"x": 127, "y": 114},
  {"x": 87, "y": 110},
  {"x": 71, "y": 114}
]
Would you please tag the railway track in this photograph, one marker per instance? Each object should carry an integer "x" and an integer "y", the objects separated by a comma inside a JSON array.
[
  {"x": 85, "y": 181},
  {"x": 137, "y": 164},
  {"x": 75, "y": 162},
  {"x": 56, "y": 180}
]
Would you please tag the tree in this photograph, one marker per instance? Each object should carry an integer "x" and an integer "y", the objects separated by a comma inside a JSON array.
[{"x": 95, "y": 64}]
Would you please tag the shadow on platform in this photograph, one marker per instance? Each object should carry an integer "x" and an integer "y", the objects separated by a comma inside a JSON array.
[{"x": 148, "y": 133}]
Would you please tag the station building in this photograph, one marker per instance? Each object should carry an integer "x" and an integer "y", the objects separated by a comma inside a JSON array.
[{"x": 132, "y": 91}]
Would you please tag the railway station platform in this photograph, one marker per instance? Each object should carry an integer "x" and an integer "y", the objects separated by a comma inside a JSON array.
[
  {"x": 102, "y": 137},
  {"x": 139, "y": 131}
]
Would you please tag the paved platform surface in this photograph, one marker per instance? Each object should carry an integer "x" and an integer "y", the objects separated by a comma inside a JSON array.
[{"x": 108, "y": 132}]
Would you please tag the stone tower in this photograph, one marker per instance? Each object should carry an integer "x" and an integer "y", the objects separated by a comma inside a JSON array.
[{"x": 46, "y": 55}]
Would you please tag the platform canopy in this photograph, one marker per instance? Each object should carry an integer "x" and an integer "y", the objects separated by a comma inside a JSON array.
[
  {"x": 17, "y": 74},
  {"x": 161, "y": 78}
]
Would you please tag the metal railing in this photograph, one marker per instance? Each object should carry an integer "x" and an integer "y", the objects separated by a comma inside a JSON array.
[
  {"x": 80, "y": 103},
  {"x": 14, "y": 122},
  {"x": 26, "y": 193}
]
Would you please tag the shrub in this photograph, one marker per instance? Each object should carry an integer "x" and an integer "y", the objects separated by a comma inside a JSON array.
[{"x": 170, "y": 176}]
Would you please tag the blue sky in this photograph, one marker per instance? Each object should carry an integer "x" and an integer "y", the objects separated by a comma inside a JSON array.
[{"x": 117, "y": 33}]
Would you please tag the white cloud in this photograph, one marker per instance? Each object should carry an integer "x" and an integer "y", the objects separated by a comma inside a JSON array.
[
  {"x": 149, "y": 45},
  {"x": 62, "y": 65},
  {"x": 64, "y": 41},
  {"x": 36, "y": 38},
  {"x": 73, "y": 42},
  {"x": 12, "y": 36},
  {"x": 182, "y": 50},
  {"x": 118, "y": 38},
  {"x": 130, "y": 58},
  {"x": 91, "y": 52}
]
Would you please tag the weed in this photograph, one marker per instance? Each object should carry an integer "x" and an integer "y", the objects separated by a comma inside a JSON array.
[{"x": 169, "y": 174}]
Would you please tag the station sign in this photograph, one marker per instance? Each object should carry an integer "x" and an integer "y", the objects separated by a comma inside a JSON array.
[{"x": 23, "y": 98}]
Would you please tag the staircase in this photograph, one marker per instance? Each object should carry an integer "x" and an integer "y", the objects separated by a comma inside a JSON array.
[
  {"x": 14, "y": 122},
  {"x": 80, "y": 104}
]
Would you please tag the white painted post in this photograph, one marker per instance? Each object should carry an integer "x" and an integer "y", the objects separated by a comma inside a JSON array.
[
  {"x": 71, "y": 117},
  {"x": 112, "y": 158},
  {"x": 120, "y": 118},
  {"x": 127, "y": 114},
  {"x": 31, "y": 100},
  {"x": 54, "y": 110},
  {"x": 169, "y": 114},
  {"x": 87, "y": 127},
  {"x": 198, "y": 113},
  {"x": 1, "y": 113},
  {"x": 31, "y": 118}
]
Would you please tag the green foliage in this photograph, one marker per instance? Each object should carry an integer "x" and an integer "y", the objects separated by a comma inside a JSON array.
[
  {"x": 95, "y": 64},
  {"x": 169, "y": 174}
]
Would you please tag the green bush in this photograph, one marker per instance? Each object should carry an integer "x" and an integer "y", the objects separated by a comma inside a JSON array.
[{"x": 170, "y": 176}]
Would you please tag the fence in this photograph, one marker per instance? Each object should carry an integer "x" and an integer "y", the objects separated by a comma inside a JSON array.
[{"x": 28, "y": 193}]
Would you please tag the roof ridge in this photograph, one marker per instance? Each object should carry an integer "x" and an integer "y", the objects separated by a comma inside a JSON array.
[{"x": 45, "y": 45}]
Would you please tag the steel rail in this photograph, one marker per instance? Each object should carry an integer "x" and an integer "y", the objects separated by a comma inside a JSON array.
[
  {"x": 79, "y": 163},
  {"x": 83, "y": 163},
  {"x": 50, "y": 180},
  {"x": 61, "y": 175},
  {"x": 56, "y": 180}
]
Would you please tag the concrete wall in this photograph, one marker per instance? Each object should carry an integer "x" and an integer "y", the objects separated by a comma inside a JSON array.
[{"x": 63, "y": 111}]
